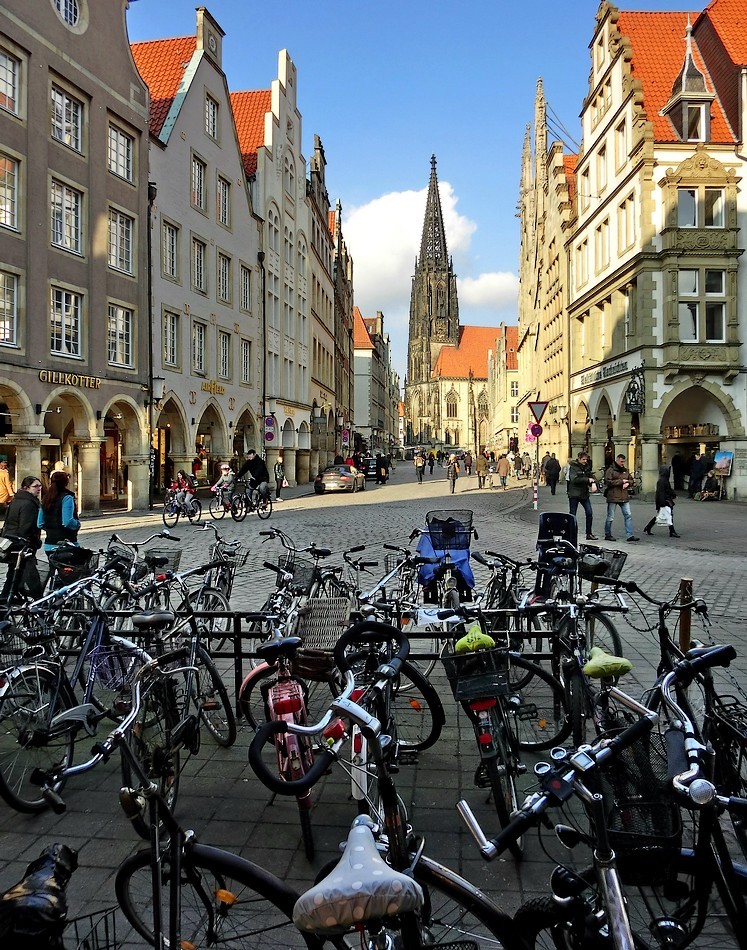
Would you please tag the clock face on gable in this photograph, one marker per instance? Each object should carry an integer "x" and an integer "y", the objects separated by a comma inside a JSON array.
[{"x": 212, "y": 42}]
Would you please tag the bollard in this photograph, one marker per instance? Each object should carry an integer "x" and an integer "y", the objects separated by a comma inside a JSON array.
[{"x": 686, "y": 596}]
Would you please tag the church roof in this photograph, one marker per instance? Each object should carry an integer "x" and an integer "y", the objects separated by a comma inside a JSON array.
[
  {"x": 162, "y": 64},
  {"x": 658, "y": 43},
  {"x": 433, "y": 242},
  {"x": 361, "y": 338},
  {"x": 471, "y": 354},
  {"x": 249, "y": 110}
]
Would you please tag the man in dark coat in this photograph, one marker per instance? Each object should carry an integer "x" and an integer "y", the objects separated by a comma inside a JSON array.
[
  {"x": 259, "y": 477},
  {"x": 579, "y": 487},
  {"x": 697, "y": 471},
  {"x": 617, "y": 481},
  {"x": 21, "y": 522},
  {"x": 552, "y": 472}
]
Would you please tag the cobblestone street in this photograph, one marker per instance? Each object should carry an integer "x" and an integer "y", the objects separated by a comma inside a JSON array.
[{"x": 220, "y": 797}]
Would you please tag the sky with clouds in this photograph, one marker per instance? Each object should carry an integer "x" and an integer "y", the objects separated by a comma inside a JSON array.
[{"x": 386, "y": 85}]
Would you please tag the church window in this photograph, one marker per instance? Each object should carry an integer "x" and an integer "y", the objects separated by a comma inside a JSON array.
[{"x": 452, "y": 407}]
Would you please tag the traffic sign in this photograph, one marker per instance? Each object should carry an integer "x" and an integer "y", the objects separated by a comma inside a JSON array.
[
  {"x": 536, "y": 430},
  {"x": 538, "y": 409}
]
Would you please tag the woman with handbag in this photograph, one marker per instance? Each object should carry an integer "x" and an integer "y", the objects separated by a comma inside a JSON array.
[
  {"x": 280, "y": 481},
  {"x": 664, "y": 504}
]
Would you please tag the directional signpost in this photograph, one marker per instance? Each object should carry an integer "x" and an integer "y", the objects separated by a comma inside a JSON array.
[{"x": 538, "y": 410}]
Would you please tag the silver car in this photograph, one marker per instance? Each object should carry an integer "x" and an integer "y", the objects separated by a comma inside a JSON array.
[{"x": 339, "y": 478}]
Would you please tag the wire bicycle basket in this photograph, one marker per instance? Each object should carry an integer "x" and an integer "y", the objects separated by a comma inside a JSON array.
[
  {"x": 96, "y": 931},
  {"x": 449, "y": 530},
  {"x": 71, "y": 563},
  {"x": 478, "y": 674}
]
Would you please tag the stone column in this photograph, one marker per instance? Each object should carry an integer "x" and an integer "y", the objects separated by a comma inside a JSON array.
[
  {"x": 314, "y": 459},
  {"x": 88, "y": 480},
  {"x": 303, "y": 459},
  {"x": 289, "y": 464},
  {"x": 649, "y": 463},
  {"x": 597, "y": 456},
  {"x": 138, "y": 479},
  {"x": 28, "y": 460}
]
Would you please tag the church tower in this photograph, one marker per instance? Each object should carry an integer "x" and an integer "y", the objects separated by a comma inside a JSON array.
[{"x": 434, "y": 314}]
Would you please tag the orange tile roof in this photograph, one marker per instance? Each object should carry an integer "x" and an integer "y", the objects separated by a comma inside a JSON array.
[
  {"x": 161, "y": 63},
  {"x": 512, "y": 346},
  {"x": 658, "y": 45},
  {"x": 361, "y": 338},
  {"x": 249, "y": 110},
  {"x": 569, "y": 164},
  {"x": 471, "y": 354},
  {"x": 729, "y": 17}
]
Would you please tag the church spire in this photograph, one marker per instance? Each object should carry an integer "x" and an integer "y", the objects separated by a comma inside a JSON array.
[{"x": 433, "y": 244}]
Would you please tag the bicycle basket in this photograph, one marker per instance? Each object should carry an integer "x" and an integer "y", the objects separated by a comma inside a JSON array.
[
  {"x": 94, "y": 931},
  {"x": 731, "y": 714},
  {"x": 303, "y": 572},
  {"x": 449, "y": 530},
  {"x": 643, "y": 822},
  {"x": 477, "y": 675},
  {"x": 320, "y": 627},
  {"x": 598, "y": 562},
  {"x": 71, "y": 563},
  {"x": 173, "y": 558}
]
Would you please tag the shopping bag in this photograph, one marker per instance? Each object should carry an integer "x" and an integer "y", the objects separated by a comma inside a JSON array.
[
  {"x": 285, "y": 483},
  {"x": 664, "y": 517}
]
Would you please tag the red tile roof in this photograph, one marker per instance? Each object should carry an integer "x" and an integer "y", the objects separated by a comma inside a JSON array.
[
  {"x": 161, "y": 63},
  {"x": 512, "y": 346},
  {"x": 658, "y": 45},
  {"x": 471, "y": 354},
  {"x": 361, "y": 339},
  {"x": 249, "y": 110},
  {"x": 729, "y": 17}
]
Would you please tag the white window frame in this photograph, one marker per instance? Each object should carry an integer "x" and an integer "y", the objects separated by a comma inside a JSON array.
[
  {"x": 68, "y": 11},
  {"x": 119, "y": 335},
  {"x": 66, "y": 118},
  {"x": 602, "y": 244},
  {"x": 246, "y": 362},
  {"x": 626, "y": 220},
  {"x": 704, "y": 215},
  {"x": 695, "y": 305},
  {"x": 224, "y": 354},
  {"x": 170, "y": 250},
  {"x": 621, "y": 144},
  {"x": 696, "y": 111},
  {"x": 121, "y": 241},
  {"x": 170, "y": 338},
  {"x": 223, "y": 277},
  {"x": 514, "y": 388},
  {"x": 602, "y": 170},
  {"x": 66, "y": 217},
  {"x": 121, "y": 153},
  {"x": 66, "y": 309},
  {"x": 514, "y": 415},
  {"x": 197, "y": 184},
  {"x": 199, "y": 337},
  {"x": 223, "y": 201},
  {"x": 10, "y": 82},
  {"x": 245, "y": 289},
  {"x": 8, "y": 308},
  {"x": 9, "y": 192},
  {"x": 198, "y": 265},
  {"x": 212, "y": 117}
]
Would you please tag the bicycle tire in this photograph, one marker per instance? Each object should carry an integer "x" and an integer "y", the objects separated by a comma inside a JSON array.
[
  {"x": 317, "y": 695},
  {"x": 29, "y": 700},
  {"x": 238, "y": 508},
  {"x": 194, "y": 512},
  {"x": 217, "y": 508},
  {"x": 260, "y": 918},
  {"x": 598, "y": 631},
  {"x": 263, "y": 507},
  {"x": 150, "y": 741},
  {"x": 171, "y": 512},
  {"x": 502, "y": 778},
  {"x": 213, "y": 630},
  {"x": 538, "y": 711},
  {"x": 577, "y": 707},
  {"x": 211, "y": 697}
]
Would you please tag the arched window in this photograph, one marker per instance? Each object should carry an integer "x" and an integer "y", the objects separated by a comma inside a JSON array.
[
  {"x": 452, "y": 406},
  {"x": 289, "y": 175},
  {"x": 273, "y": 231}
]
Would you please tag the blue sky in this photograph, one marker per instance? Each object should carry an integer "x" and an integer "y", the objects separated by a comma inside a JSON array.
[{"x": 385, "y": 85}]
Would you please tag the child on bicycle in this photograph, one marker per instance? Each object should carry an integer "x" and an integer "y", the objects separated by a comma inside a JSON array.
[
  {"x": 225, "y": 484},
  {"x": 184, "y": 486}
]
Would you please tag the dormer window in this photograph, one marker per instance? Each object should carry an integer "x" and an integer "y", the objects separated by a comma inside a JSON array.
[
  {"x": 695, "y": 116},
  {"x": 689, "y": 106}
]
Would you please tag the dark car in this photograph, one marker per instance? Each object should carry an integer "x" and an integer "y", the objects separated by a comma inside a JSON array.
[
  {"x": 339, "y": 478},
  {"x": 370, "y": 465}
]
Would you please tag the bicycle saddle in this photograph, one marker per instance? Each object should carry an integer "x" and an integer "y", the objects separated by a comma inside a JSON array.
[
  {"x": 360, "y": 887},
  {"x": 601, "y": 665},
  {"x": 271, "y": 651},
  {"x": 153, "y": 620},
  {"x": 474, "y": 639}
]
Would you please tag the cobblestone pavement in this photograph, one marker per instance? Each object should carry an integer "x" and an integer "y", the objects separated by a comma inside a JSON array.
[{"x": 220, "y": 797}]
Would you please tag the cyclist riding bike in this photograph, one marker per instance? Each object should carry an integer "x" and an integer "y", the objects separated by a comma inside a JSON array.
[
  {"x": 225, "y": 482},
  {"x": 184, "y": 486},
  {"x": 259, "y": 477}
]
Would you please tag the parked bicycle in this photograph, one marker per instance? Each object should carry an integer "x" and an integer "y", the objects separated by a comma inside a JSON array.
[{"x": 246, "y": 500}]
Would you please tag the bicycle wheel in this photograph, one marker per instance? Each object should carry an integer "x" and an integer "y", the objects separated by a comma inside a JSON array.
[
  {"x": 226, "y": 901},
  {"x": 577, "y": 704},
  {"x": 538, "y": 713},
  {"x": 501, "y": 775},
  {"x": 239, "y": 507},
  {"x": 210, "y": 696},
  {"x": 216, "y": 508},
  {"x": 263, "y": 506},
  {"x": 31, "y": 697},
  {"x": 195, "y": 512},
  {"x": 598, "y": 631},
  {"x": 106, "y": 675},
  {"x": 171, "y": 512},
  {"x": 213, "y": 630},
  {"x": 317, "y": 695},
  {"x": 150, "y": 739}
]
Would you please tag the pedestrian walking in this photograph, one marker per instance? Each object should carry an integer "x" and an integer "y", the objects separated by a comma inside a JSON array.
[
  {"x": 665, "y": 496},
  {"x": 697, "y": 472},
  {"x": 580, "y": 482},
  {"x": 419, "y": 466},
  {"x": 518, "y": 465},
  {"x": 58, "y": 514},
  {"x": 552, "y": 473},
  {"x": 543, "y": 464},
  {"x": 468, "y": 463},
  {"x": 6, "y": 487},
  {"x": 278, "y": 470},
  {"x": 22, "y": 522},
  {"x": 617, "y": 482},
  {"x": 431, "y": 462},
  {"x": 481, "y": 469},
  {"x": 503, "y": 468},
  {"x": 526, "y": 464},
  {"x": 452, "y": 472}
]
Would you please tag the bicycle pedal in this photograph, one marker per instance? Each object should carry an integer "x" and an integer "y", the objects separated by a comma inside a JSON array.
[
  {"x": 210, "y": 705},
  {"x": 408, "y": 758},
  {"x": 481, "y": 779},
  {"x": 526, "y": 711}
]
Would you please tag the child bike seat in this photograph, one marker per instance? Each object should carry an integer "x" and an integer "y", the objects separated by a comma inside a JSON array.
[
  {"x": 600, "y": 665},
  {"x": 360, "y": 887}
]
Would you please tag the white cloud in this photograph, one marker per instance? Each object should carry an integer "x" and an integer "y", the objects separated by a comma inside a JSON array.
[{"x": 383, "y": 237}]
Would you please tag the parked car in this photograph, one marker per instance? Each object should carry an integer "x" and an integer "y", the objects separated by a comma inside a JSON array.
[
  {"x": 369, "y": 466},
  {"x": 339, "y": 478}
]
